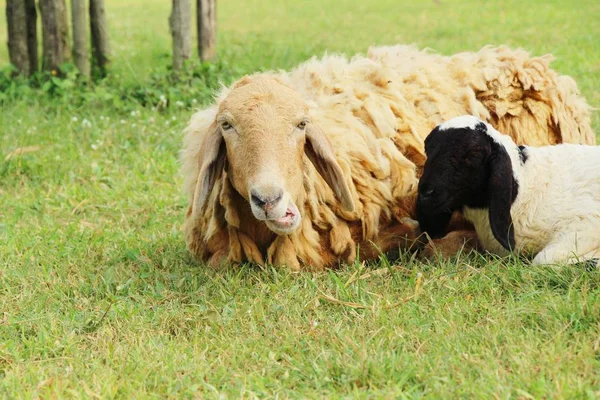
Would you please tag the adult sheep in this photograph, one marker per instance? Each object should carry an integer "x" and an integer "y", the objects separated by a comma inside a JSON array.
[{"x": 310, "y": 167}]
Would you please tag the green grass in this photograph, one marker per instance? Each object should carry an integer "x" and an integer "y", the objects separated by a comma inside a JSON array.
[{"x": 98, "y": 297}]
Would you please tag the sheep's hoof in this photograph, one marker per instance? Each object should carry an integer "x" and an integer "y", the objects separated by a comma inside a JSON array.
[
  {"x": 219, "y": 260},
  {"x": 282, "y": 253},
  {"x": 411, "y": 223},
  {"x": 342, "y": 243},
  {"x": 451, "y": 244}
]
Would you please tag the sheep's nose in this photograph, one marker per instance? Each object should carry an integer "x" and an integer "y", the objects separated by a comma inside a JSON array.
[{"x": 266, "y": 201}]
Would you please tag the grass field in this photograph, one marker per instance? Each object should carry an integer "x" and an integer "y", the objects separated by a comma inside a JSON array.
[{"x": 98, "y": 297}]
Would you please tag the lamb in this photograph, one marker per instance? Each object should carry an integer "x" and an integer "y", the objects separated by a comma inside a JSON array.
[
  {"x": 318, "y": 166},
  {"x": 542, "y": 202}
]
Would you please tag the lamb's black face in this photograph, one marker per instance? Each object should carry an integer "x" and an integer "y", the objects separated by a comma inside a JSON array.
[{"x": 456, "y": 174}]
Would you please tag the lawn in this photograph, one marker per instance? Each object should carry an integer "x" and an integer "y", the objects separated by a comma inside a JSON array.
[{"x": 98, "y": 297}]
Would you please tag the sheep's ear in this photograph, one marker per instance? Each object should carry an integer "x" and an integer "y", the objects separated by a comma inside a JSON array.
[
  {"x": 212, "y": 159},
  {"x": 502, "y": 189},
  {"x": 319, "y": 151},
  {"x": 245, "y": 80}
]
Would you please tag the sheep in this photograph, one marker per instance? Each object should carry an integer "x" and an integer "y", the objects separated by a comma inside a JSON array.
[
  {"x": 542, "y": 202},
  {"x": 318, "y": 166}
]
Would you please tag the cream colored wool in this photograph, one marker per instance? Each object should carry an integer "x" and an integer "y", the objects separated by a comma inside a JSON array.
[{"x": 376, "y": 111}]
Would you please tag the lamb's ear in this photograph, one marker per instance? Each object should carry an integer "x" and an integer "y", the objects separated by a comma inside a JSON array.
[
  {"x": 502, "y": 189},
  {"x": 212, "y": 159},
  {"x": 319, "y": 151}
]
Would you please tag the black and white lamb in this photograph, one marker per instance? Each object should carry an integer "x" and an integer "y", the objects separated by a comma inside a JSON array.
[{"x": 537, "y": 201}]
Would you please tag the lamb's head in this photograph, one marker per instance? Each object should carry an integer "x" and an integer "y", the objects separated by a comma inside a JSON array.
[
  {"x": 467, "y": 165},
  {"x": 261, "y": 132}
]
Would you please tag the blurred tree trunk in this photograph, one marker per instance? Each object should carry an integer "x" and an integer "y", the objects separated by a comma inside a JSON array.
[
  {"x": 32, "y": 42},
  {"x": 55, "y": 33},
  {"x": 207, "y": 29},
  {"x": 79, "y": 21},
  {"x": 100, "y": 45},
  {"x": 17, "y": 35},
  {"x": 181, "y": 31}
]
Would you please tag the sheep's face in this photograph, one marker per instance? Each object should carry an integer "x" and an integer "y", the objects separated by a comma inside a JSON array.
[
  {"x": 265, "y": 134},
  {"x": 263, "y": 129},
  {"x": 456, "y": 174},
  {"x": 467, "y": 165}
]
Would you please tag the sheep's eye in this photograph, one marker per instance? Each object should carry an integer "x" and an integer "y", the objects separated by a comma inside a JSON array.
[
  {"x": 225, "y": 125},
  {"x": 302, "y": 125}
]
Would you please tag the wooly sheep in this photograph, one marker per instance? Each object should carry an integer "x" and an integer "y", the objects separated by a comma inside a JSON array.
[
  {"x": 542, "y": 202},
  {"x": 318, "y": 165}
]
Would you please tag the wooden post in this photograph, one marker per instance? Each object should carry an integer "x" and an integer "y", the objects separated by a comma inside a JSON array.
[
  {"x": 100, "y": 45},
  {"x": 17, "y": 35},
  {"x": 55, "y": 34},
  {"x": 207, "y": 29},
  {"x": 63, "y": 15},
  {"x": 181, "y": 31},
  {"x": 32, "y": 41},
  {"x": 80, "y": 54}
]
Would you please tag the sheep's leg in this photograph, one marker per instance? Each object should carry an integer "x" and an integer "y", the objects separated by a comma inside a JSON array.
[
  {"x": 219, "y": 259},
  {"x": 571, "y": 248},
  {"x": 451, "y": 244},
  {"x": 282, "y": 253}
]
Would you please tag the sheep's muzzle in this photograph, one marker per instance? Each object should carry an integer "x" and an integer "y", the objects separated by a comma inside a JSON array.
[{"x": 276, "y": 208}]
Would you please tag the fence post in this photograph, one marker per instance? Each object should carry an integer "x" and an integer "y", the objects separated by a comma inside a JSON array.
[
  {"x": 100, "y": 45},
  {"x": 55, "y": 33},
  {"x": 180, "y": 24},
  {"x": 80, "y": 53},
  {"x": 17, "y": 35},
  {"x": 207, "y": 29}
]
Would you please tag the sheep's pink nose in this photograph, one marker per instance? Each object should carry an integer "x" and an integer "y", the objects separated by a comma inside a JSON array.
[{"x": 266, "y": 199}]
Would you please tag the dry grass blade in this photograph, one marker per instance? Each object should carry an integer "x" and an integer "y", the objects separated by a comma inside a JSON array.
[
  {"x": 86, "y": 224},
  {"x": 79, "y": 207},
  {"x": 564, "y": 328},
  {"x": 404, "y": 300},
  {"x": 353, "y": 276},
  {"x": 377, "y": 272},
  {"x": 344, "y": 303},
  {"x": 418, "y": 284},
  {"x": 20, "y": 151}
]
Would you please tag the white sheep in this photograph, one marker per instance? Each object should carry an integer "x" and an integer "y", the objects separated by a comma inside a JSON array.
[
  {"x": 312, "y": 167},
  {"x": 538, "y": 201}
]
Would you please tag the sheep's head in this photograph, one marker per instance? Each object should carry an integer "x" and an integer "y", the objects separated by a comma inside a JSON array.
[
  {"x": 467, "y": 165},
  {"x": 260, "y": 134}
]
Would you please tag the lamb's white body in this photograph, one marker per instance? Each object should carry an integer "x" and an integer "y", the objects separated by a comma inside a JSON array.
[{"x": 556, "y": 213}]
